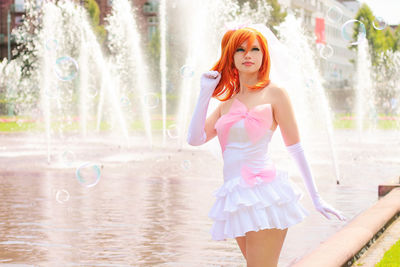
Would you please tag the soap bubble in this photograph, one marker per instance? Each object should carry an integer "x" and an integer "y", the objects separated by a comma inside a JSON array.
[
  {"x": 92, "y": 92},
  {"x": 187, "y": 71},
  {"x": 52, "y": 92},
  {"x": 172, "y": 131},
  {"x": 66, "y": 68},
  {"x": 151, "y": 100},
  {"x": 51, "y": 44},
  {"x": 379, "y": 23},
  {"x": 334, "y": 14},
  {"x": 348, "y": 27},
  {"x": 88, "y": 174},
  {"x": 68, "y": 157},
  {"x": 326, "y": 51},
  {"x": 185, "y": 164},
  {"x": 125, "y": 102},
  {"x": 310, "y": 83},
  {"x": 62, "y": 196}
]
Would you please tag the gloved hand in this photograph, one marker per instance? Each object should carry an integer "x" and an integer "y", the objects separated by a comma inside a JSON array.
[
  {"x": 208, "y": 82},
  {"x": 297, "y": 153}
]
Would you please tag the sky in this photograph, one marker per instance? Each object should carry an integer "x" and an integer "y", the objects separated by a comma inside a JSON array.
[{"x": 389, "y": 10}]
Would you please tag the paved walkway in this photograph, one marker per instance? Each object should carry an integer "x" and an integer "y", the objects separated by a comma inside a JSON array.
[{"x": 375, "y": 253}]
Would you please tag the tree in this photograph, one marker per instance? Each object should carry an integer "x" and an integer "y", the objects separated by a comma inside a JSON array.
[
  {"x": 94, "y": 13},
  {"x": 378, "y": 40},
  {"x": 276, "y": 16},
  {"x": 396, "y": 46}
]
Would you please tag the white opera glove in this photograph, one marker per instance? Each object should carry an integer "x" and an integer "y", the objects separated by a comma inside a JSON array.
[
  {"x": 297, "y": 153},
  {"x": 208, "y": 82}
]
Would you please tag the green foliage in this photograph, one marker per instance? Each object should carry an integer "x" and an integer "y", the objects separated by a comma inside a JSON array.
[
  {"x": 154, "y": 46},
  {"x": 391, "y": 257},
  {"x": 396, "y": 36},
  {"x": 94, "y": 13},
  {"x": 93, "y": 10},
  {"x": 378, "y": 40},
  {"x": 277, "y": 15}
]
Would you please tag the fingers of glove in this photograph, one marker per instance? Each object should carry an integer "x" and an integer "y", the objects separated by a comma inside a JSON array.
[
  {"x": 209, "y": 84},
  {"x": 212, "y": 74},
  {"x": 336, "y": 213},
  {"x": 323, "y": 212}
]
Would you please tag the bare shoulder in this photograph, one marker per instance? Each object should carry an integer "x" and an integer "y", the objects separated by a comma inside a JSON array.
[
  {"x": 225, "y": 105},
  {"x": 277, "y": 93}
]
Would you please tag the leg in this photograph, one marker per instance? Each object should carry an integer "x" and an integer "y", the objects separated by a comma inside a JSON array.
[
  {"x": 264, "y": 247},
  {"x": 241, "y": 240}
]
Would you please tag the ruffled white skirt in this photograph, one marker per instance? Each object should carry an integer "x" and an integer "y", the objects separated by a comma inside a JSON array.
[{"x": 239, "y": 208}]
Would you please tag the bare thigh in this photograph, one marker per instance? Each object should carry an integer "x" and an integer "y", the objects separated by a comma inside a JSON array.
[
  {"x": 264, "y": 247},
  {"x": 241, "y": 240}
]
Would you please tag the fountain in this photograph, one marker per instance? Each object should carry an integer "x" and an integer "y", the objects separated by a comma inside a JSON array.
[{"x": 150, "y": 205}]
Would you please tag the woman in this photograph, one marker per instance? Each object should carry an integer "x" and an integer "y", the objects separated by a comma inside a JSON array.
[{"x": 257, "y": 203}]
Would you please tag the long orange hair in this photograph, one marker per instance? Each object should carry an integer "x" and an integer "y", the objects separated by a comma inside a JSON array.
[{"x": 229, "y": 83}]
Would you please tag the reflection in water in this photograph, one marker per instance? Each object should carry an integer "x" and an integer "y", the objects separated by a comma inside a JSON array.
[{"x": 150, "y": 209}]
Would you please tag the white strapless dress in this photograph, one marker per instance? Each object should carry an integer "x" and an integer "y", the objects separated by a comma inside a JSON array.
[{"x": 254, "y": 194}]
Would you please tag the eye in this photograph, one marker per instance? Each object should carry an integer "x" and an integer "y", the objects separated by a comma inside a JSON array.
[
  {"x": 256, "y": 49},
  {"x": 239, "y": 49}
]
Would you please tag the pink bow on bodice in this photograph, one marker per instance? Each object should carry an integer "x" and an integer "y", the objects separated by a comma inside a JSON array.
[
  {"x": 257, "y": 121},
  {"x": 250, "y": 177}
]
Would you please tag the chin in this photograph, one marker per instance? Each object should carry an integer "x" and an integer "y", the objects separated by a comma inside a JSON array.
[{"x": 249, "y": 71}]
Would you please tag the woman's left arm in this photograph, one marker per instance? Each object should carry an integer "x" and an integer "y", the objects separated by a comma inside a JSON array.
[{"x": 284, "y": 115}]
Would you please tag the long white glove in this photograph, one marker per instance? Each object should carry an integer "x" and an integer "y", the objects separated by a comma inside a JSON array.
[
  {"x": 208, "y": 82},
  {"x": 297, "y": 153}
]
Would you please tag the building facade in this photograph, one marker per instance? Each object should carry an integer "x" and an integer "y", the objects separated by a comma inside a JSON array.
[
  {"x": 337, "y": 70},
  {"x": 12, "y": 11}
]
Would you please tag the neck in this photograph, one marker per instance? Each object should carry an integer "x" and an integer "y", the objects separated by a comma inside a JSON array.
[{"x": 249, "y": 79}]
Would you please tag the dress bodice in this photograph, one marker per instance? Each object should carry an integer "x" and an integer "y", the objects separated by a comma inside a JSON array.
[{"x": 244, "y": 135}]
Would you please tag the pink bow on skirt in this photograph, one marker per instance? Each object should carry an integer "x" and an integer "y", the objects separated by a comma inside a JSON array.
[{"x": 267, "y": 174}]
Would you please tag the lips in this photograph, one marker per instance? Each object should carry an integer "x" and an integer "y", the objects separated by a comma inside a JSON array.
[{"x": 248, "y": 63}]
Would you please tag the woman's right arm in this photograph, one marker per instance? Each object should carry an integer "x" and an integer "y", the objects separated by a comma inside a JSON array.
[
  {"x": 199, "y": 130},
  {"x": 210, "y": 123}
]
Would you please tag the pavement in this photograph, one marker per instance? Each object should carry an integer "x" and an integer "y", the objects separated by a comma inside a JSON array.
[
  {"x": 375, "y": 253},
  {"x": 341, "y": 247}
]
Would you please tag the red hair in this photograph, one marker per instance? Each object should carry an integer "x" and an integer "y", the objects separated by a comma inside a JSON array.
[{"x": 229, "y": 82}]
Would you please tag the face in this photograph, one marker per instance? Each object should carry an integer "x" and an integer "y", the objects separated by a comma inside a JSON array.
[{"x": 250, "y": 62}]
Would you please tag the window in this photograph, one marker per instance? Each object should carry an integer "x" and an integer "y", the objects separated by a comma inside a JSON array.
[
  {"x": 152, "y": 26},
  {"x": 18, "y": 20},
  {"x": 153, "y": 20},
  {"x": 19, "y": 5},
  {"x": 150, "y": 7},
  {"x": 151, "y": 31}
]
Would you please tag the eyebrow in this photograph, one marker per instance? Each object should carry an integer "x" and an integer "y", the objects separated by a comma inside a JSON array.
[{"x": 254, "y": 46}]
